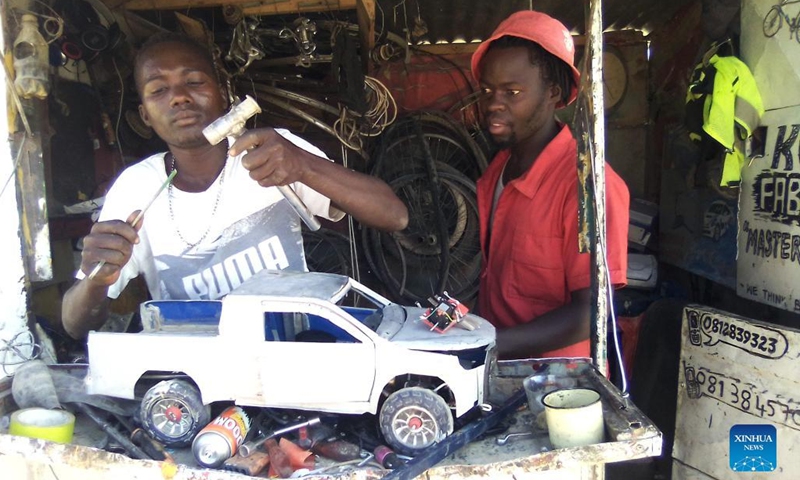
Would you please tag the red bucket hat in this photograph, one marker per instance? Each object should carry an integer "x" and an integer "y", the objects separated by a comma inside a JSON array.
[{"x": 537, "y": 27}]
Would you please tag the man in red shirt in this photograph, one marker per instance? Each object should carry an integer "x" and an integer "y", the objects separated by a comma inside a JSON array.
[{"x": 535, "y": 285}]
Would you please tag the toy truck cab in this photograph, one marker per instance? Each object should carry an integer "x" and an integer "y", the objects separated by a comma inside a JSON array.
[{"x": 281, "y": 340}]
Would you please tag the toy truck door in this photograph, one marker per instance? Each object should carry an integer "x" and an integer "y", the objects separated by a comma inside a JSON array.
[{"x": 315, "y": 358}]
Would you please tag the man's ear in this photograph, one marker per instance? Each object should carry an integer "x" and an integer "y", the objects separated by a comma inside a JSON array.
[
  {"x": 555, "y": 93},
  {"x": 557, "y": 96},
  {"x": 144, "y": 116}
]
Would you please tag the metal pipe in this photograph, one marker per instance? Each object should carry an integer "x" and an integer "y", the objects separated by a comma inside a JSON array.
[
  {"x": 248, "y": 448},
  {"x": 591, "y": 175}
]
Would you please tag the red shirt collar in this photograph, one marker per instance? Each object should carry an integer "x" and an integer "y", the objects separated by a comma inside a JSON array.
[{"x": 549, "y": 160}]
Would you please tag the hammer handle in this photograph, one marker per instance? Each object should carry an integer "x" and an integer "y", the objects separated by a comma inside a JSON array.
[
  {"x": 300, "y": 207},
  {"x": 232, "y": 125}
]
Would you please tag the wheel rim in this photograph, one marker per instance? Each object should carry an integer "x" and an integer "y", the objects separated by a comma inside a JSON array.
[
  {"x": 421, "y": 236},
  {"x": 772, "y": 22},
  {"x": 171, "y": 417},
  {"x": 415, "y": 427}
]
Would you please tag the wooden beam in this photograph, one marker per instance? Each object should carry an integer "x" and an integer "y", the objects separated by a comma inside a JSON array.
[
  {"x": 365, "y": 10},
  {"x": 448, "y": 48},
  {"x": 249, "y": 7},
  {"x": 280, "y": 7},
  {"x": 169, "y": 4}
]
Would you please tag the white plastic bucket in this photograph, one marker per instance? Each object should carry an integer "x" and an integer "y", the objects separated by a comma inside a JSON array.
[{"x": 574, "y": 417}]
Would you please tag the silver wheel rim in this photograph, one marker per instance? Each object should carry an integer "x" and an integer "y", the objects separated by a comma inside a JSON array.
[
  {"x": 415, "y": 427},
  {"x": 171, "y": 417}
]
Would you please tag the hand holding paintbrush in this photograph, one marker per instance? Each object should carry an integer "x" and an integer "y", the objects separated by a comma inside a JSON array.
[{"x": 137, "y": 219}]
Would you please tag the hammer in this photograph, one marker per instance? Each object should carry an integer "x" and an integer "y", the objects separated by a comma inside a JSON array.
[{"x": 232, "y": 125}]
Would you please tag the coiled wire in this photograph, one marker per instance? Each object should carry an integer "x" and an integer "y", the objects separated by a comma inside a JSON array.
[{"x": 351, "y": 126}]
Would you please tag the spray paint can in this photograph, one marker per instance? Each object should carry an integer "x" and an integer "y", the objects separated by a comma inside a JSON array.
[
  {"x": 386, "y": 457},
  {"x": 219, "y": 440}
]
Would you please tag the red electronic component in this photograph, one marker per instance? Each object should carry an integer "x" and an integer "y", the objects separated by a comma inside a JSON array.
[{"x": 445, "y": 312}]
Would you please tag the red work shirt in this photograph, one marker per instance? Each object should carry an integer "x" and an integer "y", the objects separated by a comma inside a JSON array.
[{"x": 532, "y": 263}]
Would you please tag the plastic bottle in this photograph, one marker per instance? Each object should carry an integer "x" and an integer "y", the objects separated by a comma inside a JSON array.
[
  {"x": 31, "y": 60},
  {"x": 386, "y": 457}
]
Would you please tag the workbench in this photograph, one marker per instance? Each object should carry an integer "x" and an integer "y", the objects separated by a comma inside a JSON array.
[{"x": 629, "y": 435}]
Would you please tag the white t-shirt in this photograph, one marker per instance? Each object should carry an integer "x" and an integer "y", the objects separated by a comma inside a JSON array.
[{"x": 253, "y": 228}]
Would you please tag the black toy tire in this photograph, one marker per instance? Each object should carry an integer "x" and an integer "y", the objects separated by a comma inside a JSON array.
[
  {"x": 172, "y": 411},
  {"x": 413, "y": 419}
]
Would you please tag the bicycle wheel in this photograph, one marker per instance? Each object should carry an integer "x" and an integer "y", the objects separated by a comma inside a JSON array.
[
  {"x": 327, "y": 251},
  {"x": 796, "y": 24},
  {"x": 773, "y": 21},
  {"x": 401, "y": 150},
  {"x": 421, "y": 261},
  {"x": 406, "y": 156}
]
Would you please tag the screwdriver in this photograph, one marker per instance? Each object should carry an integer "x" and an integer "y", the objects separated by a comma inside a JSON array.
[{"x": 172, "y": 174}]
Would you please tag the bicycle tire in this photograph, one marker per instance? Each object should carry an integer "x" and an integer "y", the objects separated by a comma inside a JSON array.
[
  {"x": 438, "y": 123},
  {"x": 406, "y": 156},
  {"x": 310, "y": 119},
  {"x": 463, "y": 134},
  {"x": 796, "y": 23},
  {"x": 412, "y": 274},
  {"x": 370, "y": 256},
  {"x": 326, "y": 251},
  {"x": 773, "y": 16},
  {"x": 296, "y": 97}
]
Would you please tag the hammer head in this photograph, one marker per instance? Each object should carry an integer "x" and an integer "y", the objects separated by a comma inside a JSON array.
[{"x": 232, "y": 123}]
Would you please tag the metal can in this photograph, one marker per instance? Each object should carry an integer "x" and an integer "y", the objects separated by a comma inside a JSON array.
[{"x": 219, "y": 440}]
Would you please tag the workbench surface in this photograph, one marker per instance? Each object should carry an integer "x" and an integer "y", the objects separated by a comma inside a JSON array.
[{"x": 629, "y": 435}]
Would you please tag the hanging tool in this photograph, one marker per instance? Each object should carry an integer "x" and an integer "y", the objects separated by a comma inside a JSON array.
[
  {"x": 505, "y": 438},
  {"x": 232, "y": 125}
]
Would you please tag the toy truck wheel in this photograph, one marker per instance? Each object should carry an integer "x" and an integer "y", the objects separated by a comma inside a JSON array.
[
  {"x": 172, "y": 411},
  {"x": 412, "y": 419}
]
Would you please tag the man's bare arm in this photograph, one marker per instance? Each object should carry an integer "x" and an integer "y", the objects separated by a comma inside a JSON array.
[
  {"x": 84, "y": 308},
  {"x": 558, "y": 328}
]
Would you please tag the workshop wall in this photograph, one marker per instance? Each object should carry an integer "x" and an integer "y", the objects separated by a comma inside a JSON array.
[{"x": 96, "y": 130}]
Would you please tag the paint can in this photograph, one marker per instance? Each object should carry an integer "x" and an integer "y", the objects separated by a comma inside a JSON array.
[{"x": 219, "y": 440}]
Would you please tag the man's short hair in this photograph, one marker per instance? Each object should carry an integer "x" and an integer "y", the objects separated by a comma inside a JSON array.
[
  {"x": 162, "y": 38},
  {"x": 554, "y": 70}
]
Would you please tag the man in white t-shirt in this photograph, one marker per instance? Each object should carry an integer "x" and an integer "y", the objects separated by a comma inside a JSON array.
[{"x": 222, "y": 219}]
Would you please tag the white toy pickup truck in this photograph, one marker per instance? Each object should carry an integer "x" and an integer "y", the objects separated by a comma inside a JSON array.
[{"x": 280, "y": 340}]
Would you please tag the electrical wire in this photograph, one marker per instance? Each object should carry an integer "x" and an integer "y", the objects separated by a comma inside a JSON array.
[
  {"x": 467, "y": 83},
  {"x": 15, "y": 346},
  {"x": 47, "y": 25},
  {"x": 350, "y": 127},
  {"x": 582, "y": 120},
  {"x": 602, "y": 245},
  {"x": 119, "y": 110},
  {"x": 354, "y": 271},
  {"x": 25, "y": 124},
  {"x": 16, "y": 165}
]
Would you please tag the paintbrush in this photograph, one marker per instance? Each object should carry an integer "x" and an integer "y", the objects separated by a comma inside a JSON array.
[{"x": 174, "y": 172}]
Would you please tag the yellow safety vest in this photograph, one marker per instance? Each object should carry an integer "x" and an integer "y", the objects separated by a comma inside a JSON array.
[{"x": 731, "y": 111}]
